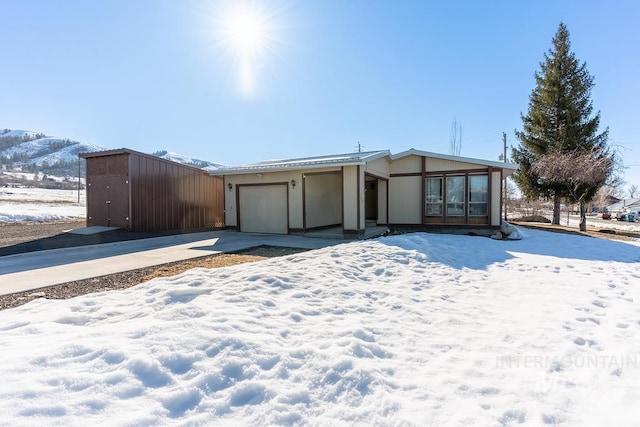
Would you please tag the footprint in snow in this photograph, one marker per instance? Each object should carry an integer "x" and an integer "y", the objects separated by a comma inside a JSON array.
[
  {"x": 599, "y": 303},
  {"x": 581, "y": 341}
]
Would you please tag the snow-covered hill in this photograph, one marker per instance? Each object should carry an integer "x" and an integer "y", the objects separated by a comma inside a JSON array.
[
  {"x": 33, "y": 151},
  {"x": 186, "y": 160}
]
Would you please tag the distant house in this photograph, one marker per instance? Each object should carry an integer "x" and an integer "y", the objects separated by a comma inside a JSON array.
[
  {"x": 359, "y": 190},
  {"x": 624, "y": 205}
]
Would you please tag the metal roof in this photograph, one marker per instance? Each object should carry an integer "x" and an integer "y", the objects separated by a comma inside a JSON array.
[
  {"x": 128, "y": 151},
  {"x": 349, "y": 159},
  {"x": 624, "y": 204}
]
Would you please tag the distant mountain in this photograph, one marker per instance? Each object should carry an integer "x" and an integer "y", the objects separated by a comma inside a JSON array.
[
  {"x": 36, "y": 152},
  {"x": 186, "y": 160},
  {"x": 30, "y": 151}
]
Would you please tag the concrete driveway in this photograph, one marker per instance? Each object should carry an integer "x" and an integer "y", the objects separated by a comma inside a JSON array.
[{"x": 33, "y": 270}]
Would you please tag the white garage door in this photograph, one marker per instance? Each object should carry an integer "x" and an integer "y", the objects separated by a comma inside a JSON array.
[{"x": 263, "y": 209}]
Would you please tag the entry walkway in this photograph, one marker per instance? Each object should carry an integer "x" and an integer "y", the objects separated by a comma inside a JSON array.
[{"x": 33, "y": 270}]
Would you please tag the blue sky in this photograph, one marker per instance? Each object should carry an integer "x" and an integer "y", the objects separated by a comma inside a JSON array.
[{"x": 156, "y": 74}]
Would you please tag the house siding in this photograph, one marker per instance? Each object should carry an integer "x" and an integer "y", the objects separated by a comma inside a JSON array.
[
  {"x": 441, "y": 165},
  {"x": 496, "y": 195},
  {"x": 405, "y": 200},
  {"x": 406, "y": 165},
  {"x": 323, "y": 199},
  {"x": 353, "y": 190},
  {"x": 383, "y": 202},
  {"x": 378, "y": 167}
]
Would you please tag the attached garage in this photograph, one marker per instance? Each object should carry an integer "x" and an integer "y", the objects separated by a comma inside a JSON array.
[
  {"x": 263, "y": 208},
  {"x": 144, "y": 193}
]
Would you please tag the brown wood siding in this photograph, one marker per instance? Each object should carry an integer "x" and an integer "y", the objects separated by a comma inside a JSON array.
[
  {"x": 173, "y": 197},
  {"x": 160, "y": 195},
  {"x": 108, "y": 191}
]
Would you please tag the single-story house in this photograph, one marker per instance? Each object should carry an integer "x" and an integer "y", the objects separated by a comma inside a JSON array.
[{"x": 352, "y": 191}]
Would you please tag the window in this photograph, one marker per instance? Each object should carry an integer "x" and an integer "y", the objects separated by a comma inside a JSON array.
[
  {"x": 433, "y": 197},
  {"x": 478, "y": 195},
  {"x": 455, "y": 196}
]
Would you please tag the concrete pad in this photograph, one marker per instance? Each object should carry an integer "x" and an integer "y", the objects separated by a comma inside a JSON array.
[
  {"x": 34, "y": 270},
  {"x": 91, "y": 230}
]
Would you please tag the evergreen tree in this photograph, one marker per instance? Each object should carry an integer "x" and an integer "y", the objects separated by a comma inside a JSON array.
[{"x": 559, "y": 119}]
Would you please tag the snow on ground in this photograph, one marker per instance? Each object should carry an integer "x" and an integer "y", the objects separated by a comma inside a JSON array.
[
  {"x": 40, "y": 204},
  {"x": 610, "y": 224},
  {"x": 418, "y": 329}
]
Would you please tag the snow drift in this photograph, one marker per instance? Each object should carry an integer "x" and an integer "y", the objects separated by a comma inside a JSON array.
[{"x": 407, "y": 330}]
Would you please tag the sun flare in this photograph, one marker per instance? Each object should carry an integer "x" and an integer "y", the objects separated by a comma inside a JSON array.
[{"x": 246, "y": 32}]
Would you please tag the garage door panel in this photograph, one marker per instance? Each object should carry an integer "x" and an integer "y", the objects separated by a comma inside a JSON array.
[{"x": 264, "y": 209}]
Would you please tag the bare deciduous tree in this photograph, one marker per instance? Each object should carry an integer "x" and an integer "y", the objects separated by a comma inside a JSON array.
[
  {"x": 632, "y": 191},
  {"x": 456, "y": 138},
  {"x": 583, "y": 174}
]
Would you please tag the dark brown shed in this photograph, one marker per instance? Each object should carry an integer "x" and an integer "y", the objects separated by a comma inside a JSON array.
[{"x": 140, "y": 192}]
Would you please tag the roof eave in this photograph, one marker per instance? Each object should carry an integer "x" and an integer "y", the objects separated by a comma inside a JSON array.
[
  {"x": 267, "y": 169},
  {"x": 412, "y": 151}
]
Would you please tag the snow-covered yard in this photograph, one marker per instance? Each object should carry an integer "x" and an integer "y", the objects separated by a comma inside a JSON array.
[
  {"x": 40, "y": 204},
  {"x": 418, "y": 329}
]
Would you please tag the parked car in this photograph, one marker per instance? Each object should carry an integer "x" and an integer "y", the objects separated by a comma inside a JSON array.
[
  {"x": 605, "y": 215},
  {"x": 633, "y": 216},
  {"x": 621, "y": 216}
]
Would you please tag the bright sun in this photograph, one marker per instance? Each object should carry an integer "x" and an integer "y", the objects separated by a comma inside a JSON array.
[{"x": 245, "y": 31}]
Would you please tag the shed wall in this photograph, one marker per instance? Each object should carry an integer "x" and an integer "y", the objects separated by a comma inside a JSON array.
[{"x": 169, "y": 196}]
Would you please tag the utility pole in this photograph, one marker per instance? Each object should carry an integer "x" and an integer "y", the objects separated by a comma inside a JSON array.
[
  {"x": 79, "y": 180},
  {"x": 504, "y": 157}
]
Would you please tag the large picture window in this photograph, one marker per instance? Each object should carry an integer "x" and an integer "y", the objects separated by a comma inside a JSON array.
[
  {"x": 433, "y": 197},
  {"x": 455, "y": 196},
  {"x": 461, "y": 197},
  {"x": 478, "y": 195}
]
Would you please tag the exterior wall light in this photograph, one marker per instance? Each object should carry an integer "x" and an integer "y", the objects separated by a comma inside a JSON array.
[
  {"x": 230, "y": 186},
  {"x": 293, "y": 183}
]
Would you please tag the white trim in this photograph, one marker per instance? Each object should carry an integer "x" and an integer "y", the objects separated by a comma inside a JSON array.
[
  {"x": 414, "y": 152},
  {"x": 351, "y": 159},
  {"x": 336, "y": 160}
]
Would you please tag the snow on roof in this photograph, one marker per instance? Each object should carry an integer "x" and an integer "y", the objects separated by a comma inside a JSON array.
[{"x": 348, "y": 159}]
